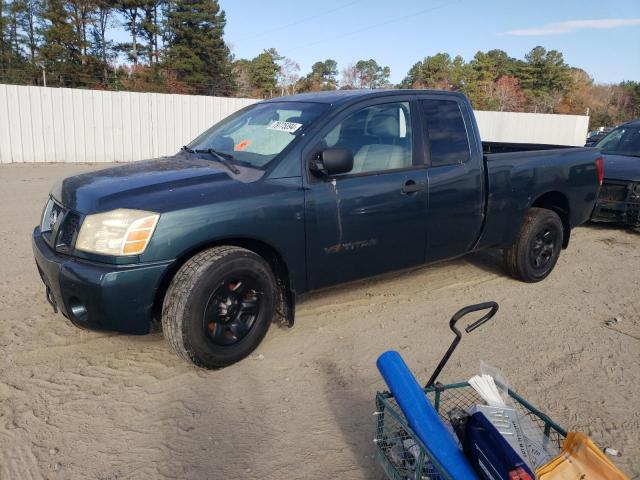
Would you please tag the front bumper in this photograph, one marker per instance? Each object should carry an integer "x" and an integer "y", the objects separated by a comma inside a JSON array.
[
  {"x": 617, "y": 212},
  {"x": 96, "y": 295},
  {"x": 618, "y": 202}
]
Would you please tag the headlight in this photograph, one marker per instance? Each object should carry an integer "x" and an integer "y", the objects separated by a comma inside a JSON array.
[{"x": 119, "y": 232}]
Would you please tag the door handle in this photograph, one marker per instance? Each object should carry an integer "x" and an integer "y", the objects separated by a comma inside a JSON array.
[{"x": 411, "y": 186}]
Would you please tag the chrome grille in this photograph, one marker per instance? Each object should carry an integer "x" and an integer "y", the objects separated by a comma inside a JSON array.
[
  {"x": 59, "y": 226},
  {"x": 51, "y": 216},
  {"x": 68, "y": 230}
]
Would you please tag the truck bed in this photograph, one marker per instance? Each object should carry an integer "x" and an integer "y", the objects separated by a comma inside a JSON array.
[
  {"x": 517, "y": 179},
  {"x": 503, "y": 147}
]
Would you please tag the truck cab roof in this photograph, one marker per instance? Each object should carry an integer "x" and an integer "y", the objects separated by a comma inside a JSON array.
[
  {"x": 632, "y": 123},
  {"x": 336, "y": 97}
]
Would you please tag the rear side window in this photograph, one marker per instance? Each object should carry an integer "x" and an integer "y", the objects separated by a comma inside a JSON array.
[{"x": 447, "y": 134}]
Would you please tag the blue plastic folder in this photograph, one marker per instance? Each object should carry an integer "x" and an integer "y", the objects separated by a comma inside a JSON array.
[{"x": 423, "y": 418}]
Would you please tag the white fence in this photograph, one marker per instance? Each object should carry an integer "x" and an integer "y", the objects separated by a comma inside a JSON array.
[
  {"x": 532, "y": 128},
  {"x": 71, "y": 125}
]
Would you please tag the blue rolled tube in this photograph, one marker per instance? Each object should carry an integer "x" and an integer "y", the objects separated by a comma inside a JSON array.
[{"x": 423, "y": 418}]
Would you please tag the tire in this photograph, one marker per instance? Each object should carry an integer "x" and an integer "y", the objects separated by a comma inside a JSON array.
[
  {"x": 219, "y": 306},
  {"x": 536, "y": 250}
]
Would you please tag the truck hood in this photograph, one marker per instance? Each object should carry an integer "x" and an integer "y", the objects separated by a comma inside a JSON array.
[
  {"x": 157, "y": 185},
  {"x": 621, "y": 167}
]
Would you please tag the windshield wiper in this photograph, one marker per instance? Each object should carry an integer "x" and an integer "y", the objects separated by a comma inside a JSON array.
[
  {"x": 223, "y": 158},
  {"x": 187, "y": 149}
]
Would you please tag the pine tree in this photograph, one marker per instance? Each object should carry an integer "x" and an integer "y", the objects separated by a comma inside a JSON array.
[
  {"x": 195, "y": 49},
  {"x": 27, "y": 12},
  {"x": 241, "y": 70},
  {"x": 14, "y": 65},
  {"x": 368, "y": 74},
  {"x": 433, "y": 72},
  {"x": 101, "y": 47},
  {"x": 80, "y": 15},
  {"x": 5, "y": 51},
  {"x": 413, "y": 80},
  {"x": 545, "y": 77},
  {"x": 322, "y": 77},
  {"x": 490, "y": 66},
  {"x": 152, "y": 29},
  {"x": 62, "y": 47},
  {"x": 263, "y": 71},
  {"x": 131, "y": 11},
  {"x": 15, "y": 42}
]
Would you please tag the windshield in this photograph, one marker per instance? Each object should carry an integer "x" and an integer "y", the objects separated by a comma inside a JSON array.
[
  {"x": 256, "y": 135},
  {"x": 621, "y": 141}
]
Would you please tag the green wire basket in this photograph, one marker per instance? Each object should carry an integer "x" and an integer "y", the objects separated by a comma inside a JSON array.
[
  {"x": 404, "y": 456},
  {"x": 415, "y": 462}
]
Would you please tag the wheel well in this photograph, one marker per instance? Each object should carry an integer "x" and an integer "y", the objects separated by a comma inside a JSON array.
[
  {"x": 266, "y": 251},
  {"x": 559, "y": 203}
]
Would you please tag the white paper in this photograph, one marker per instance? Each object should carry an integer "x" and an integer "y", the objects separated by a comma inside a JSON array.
[{"x": 289, "y": 127}]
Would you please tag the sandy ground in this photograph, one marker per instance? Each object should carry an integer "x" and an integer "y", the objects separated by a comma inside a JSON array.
[{"x": 76, "y": 404}]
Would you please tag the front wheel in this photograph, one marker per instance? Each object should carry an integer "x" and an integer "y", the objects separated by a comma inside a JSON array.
[
  {"x": 219, "y": 306},
  {"x": 537, "y": 248}
]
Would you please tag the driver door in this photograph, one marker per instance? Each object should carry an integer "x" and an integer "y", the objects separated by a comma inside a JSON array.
[{"x": 370, "y": 220}]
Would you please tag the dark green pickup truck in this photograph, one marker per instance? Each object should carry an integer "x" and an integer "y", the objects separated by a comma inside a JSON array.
[{"x": 296, "y": 194}]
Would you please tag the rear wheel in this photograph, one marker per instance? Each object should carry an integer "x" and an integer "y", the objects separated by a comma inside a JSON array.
[
  {"x": 219, "y": 306},
  {"x": 536, "y": 250}
]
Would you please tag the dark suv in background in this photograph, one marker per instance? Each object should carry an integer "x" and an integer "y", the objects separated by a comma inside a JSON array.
[{"x": 619, "y": 198}]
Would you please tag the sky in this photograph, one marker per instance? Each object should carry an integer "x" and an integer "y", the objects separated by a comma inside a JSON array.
[{"x": 601, "y": 37}]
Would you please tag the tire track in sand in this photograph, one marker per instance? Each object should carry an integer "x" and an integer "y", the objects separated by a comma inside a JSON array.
[{"x": 17, "y": 461}]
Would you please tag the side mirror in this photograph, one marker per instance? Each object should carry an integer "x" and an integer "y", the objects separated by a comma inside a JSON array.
[{"x": 332, "y": 161}]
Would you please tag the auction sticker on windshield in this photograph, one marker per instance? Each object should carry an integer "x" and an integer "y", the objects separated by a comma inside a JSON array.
[{"x": 284, "y": 126}]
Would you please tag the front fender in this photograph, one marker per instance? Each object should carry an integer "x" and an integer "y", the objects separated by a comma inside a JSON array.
[{"x": 273, "y": 216}]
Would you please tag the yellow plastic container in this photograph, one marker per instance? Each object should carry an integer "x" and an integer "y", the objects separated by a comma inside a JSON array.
[{"x": 580, "y": 459}]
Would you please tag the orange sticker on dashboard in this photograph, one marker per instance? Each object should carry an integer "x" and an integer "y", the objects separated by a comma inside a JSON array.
[{"x": 242, "y": 145}]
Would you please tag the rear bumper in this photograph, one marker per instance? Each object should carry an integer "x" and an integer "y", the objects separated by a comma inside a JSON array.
[{"x": 96, "y": 295}]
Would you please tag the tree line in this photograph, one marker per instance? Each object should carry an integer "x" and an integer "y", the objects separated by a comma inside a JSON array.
[
  {"x": 172, "y": 46},
  {"x": 178, "y": 46},
  {"x": 542, "y": 82}
]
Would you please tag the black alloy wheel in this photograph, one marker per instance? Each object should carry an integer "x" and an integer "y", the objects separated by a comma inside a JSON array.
[
  {"x": 232, "y": 310},
  {"x": 219, "y": 306},
  {"x": 536, "y": 249},
  {"x": 542, "y": 249}
]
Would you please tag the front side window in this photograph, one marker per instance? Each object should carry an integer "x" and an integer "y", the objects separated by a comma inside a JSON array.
[
  {"x": 379, "y": 137},
  {"x": 448, "y": 142},
  {"x": 621, "y": 141},
  {"x": 254, "y": 136}
]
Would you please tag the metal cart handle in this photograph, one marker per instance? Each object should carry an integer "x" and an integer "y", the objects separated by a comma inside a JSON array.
[{"x": 493, "y": 306}]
